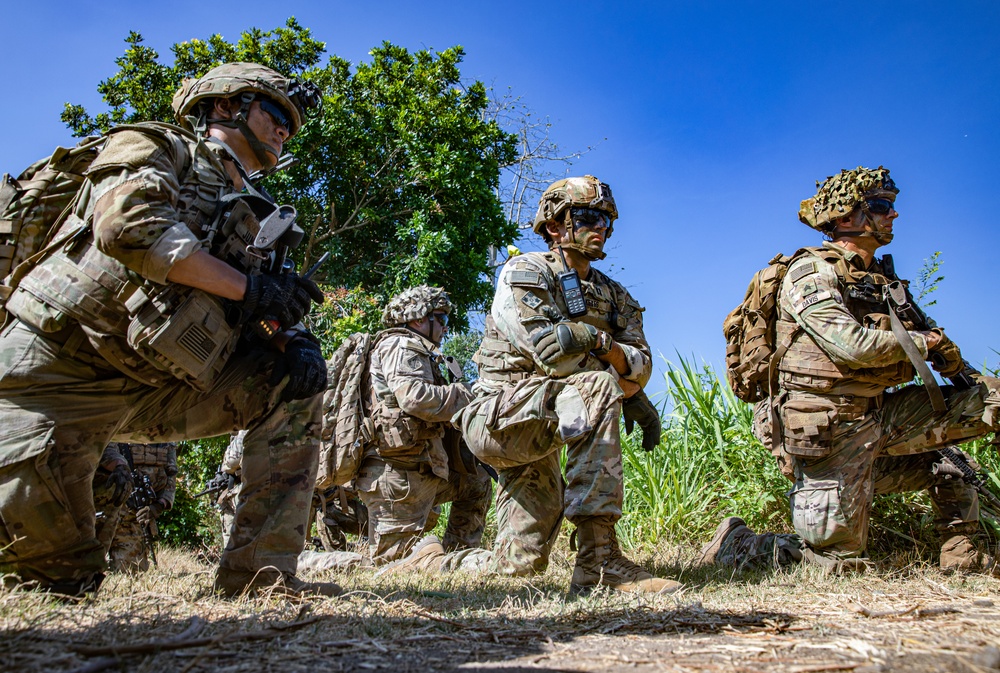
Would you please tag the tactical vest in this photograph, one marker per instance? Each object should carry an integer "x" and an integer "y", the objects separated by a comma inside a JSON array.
[
  {"x": 154, "y": 455},
  {"x": 805, "y": 366},
  {"x": 79, "y": 284},
  {"x": 398, "y": 434},
  {"x": 607, "y": 310}
]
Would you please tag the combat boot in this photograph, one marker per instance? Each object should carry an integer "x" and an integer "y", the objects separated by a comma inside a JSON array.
[
  {"x": 727, "y": 535},
  {"x": 960, "y": 554},
  {"x": 269, "y": 582},
  {"x": 736, "y": 545},
  {"x": 600, "y": 562},
  {"x": 425, "y": 555}
]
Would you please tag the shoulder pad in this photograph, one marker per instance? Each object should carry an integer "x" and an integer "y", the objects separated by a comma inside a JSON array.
[{"x": 129, "y": 148}]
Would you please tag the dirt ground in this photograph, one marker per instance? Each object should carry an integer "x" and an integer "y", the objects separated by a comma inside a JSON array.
[{"x": 910, "y": 618}]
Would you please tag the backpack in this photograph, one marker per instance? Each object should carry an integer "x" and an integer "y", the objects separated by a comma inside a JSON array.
[
  {"x": 347, "y": 428},
  {"x": 750, "y": 332},
  {"x": 35, "y": 204}
]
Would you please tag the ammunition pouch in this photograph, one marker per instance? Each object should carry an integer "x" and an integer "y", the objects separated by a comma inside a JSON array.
[
  {"x": 184, "y": 331},
  {"x": 400, "y": 435}
]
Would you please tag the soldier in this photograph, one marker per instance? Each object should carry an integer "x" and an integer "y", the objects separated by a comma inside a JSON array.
[
  {"x": 121, "y": 529},
  {"x": 140, "y": 328},
  {"x": 416, "y": 460},
  {"x": 841, "y": 434},
  {"x": 558, "y": 356}
]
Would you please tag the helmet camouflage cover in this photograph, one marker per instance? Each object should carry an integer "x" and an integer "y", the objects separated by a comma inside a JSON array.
[
  {"x": 585, "y": 192},
  {"x": 415, "y": 303},
  {"x": 235, "y": 79},
  {"x": 840, "y": 194}
]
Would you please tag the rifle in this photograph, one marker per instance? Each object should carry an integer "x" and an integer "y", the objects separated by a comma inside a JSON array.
[
  {"x": 965, "y": 472},
  {"x": 902, "y": 307},
  {"x": 220, "y": 482},
  {"x": 143, "y": 495}
]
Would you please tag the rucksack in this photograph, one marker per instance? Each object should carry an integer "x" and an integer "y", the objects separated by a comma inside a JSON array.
[
  {"x": 35, "y": 204},
  {"x": 750, "y": 332},
  {"x": 347, "y": 428}
]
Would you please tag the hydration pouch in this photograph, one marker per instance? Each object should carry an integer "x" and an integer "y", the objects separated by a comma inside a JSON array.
[
  {"x": 569, "y": 281},
  {"x": 184, "y": 331}
]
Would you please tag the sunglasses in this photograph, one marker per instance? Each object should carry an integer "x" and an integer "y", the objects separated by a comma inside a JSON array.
[
  {"x": 590, "y": 218},
  {"x": 879, "y": 206},
  {"x": 278, "y": 114},
  {"x": 441, "y": 318}
]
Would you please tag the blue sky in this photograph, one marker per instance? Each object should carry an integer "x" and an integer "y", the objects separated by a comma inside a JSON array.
[{"x": 711, "y": 121}]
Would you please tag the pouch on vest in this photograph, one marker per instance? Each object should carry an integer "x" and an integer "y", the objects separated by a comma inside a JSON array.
[
  {"x": 808, "y": 427},
  {"x": 184, "y": 331}
]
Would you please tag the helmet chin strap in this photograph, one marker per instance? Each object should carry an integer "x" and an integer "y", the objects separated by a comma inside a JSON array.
[
  {"x": 239, "y": 122},
  {"x": 882, "y": 237}
]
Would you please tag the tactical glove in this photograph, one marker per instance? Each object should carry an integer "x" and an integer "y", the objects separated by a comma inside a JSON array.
[
  {"x": 121, "y": 481},
  {"x": 946, "y": 358},
  {"x": 564, "y": 338},
  {"x": 284, "y": 298},
  {"x": 303, "y": 362},
  {"x": 638, "y": 409}
]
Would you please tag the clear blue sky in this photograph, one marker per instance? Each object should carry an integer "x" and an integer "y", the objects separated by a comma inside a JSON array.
[{"x": 712, "y": 121}]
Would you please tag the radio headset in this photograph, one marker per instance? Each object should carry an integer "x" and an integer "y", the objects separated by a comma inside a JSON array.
[{"x": 569, "y": 281}]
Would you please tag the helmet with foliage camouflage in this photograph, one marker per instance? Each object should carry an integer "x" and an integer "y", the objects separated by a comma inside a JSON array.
[
  {"x": 415, "y": 303},
  {"x": 246, "y": 80},
  {"x": 840, "y": 194},
  {"x": 585, "y": 192}
]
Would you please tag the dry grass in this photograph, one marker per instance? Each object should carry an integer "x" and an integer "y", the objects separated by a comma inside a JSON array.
[{"x": 898, "y": 618}]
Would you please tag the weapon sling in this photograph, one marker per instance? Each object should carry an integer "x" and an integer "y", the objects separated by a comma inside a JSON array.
[{"x": 896, "y": 295}]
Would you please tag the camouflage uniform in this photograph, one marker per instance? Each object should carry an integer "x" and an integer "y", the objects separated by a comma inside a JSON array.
[
  {"x": 844, "y": 435},
  {"x": 127, "y": 548},
  {"x": 70, "y": 382},
  {"x": 407, "y": 469}
]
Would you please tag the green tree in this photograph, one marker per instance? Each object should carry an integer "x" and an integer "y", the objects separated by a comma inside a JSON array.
[{"x": 398, "y": 177}]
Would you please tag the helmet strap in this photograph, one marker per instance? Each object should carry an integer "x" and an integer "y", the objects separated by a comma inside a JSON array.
[
  {"x": 574, "y": 245},
  {"x": 248, "y": 184},
  {"x": 239, "y": 122}
]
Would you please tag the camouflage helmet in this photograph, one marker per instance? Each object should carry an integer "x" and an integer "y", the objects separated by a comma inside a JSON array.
[
  {"x": 840, "y": 194},
  {"x": 238, "y": 79},
  {"x": 585, "y": 192},
  {"x": 415, "y": 303}
]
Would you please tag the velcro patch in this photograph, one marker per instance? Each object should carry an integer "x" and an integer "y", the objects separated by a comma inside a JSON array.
[
  {"x": 813, "y": 299},
  {"x": 531, "y": 300},
  {"x": 525, "y": 278},
  {"x": 802, "y": 270},
  {"x": 126, "y": 148}
]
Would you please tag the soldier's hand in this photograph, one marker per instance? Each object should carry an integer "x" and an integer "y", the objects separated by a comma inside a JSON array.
[
  {"x": 638, "y": 409},
  {"x": 564, "y": 338},
  {"x": 303, "y": 362},
  {"x": 120, "y": 480},
  {"x": 945, "y": 357},
  {"x": 284, "y": 298}
]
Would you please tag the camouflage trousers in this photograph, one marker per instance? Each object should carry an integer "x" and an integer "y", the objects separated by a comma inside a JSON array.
[
  {"x": 888, "y": 448},
  {"x": 61, "y": 403},
  {"x": 519, "y": 431},
  {"x": 401, "y": 501},
  {"x": 117, "y": 529}
]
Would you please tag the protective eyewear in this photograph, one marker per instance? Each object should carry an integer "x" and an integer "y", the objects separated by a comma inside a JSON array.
[
  {"x": 879, "y": 206},
  {"x": 441, "y": 318},
  {"x": 278, "y": 114},
  {"x": 590, "y": 218}
]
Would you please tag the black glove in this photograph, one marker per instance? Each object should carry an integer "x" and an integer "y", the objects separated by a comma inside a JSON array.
[
  {"x": 565, "y": 338},
  {"x": 946, "y": 358},
  {"x": 638, "y": 409},
  {"x": 121, "y": 481},
  {"x": 303, "y": 362},
  {"x": 284, "y": 298}
]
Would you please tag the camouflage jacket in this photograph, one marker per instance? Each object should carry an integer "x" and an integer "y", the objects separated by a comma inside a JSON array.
[
  {"x": 528, "y": 297},
  {"x": 158, "y": 461},
  {"x": 842, "y": 343},
  {"x": 411, "y": 402},
  {"x": 148, "y": 200}
]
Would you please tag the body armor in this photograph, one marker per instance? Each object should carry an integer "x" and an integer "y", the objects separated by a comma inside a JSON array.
[
  {"x": 806, "y": 367},
  {"x": 609, "y": 308}
]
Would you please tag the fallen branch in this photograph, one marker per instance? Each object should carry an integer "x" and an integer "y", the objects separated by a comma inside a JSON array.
[
  {"x": 916, "y": 611},
  {"x": 178, "y": 644}
]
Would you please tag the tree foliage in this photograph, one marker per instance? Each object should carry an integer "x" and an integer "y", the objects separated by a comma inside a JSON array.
[{"x": 398, "y": 177}]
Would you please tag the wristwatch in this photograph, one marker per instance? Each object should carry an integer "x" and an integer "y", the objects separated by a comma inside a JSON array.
[{"x": 604, "y": 344}]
